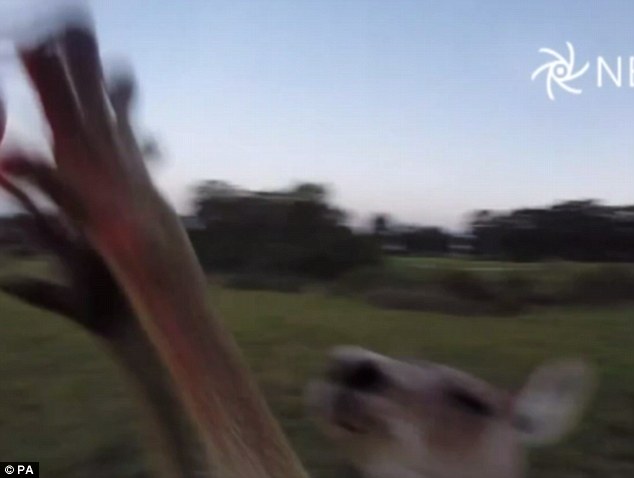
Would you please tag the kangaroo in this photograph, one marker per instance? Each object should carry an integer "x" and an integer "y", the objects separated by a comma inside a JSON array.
[{"x": 413, "y": 419}]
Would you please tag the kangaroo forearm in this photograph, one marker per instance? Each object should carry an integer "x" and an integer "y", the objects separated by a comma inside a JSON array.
[
  {"x": 166, "y": 287},
  {"x": 177, "y": 450},
  {"x": 102, "y": 183}
]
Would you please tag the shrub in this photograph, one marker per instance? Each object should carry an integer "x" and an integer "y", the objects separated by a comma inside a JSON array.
[
  {"x": 259, "y": 281},
  {"x": 459, "y": 291},
  {"x": 602, "y": 285},
  {"x": 411, "y": 299},
  {"x": 515, "y": 286},
  {"x": 433, "y": 300},
  {"x": 367, "y": 278},
  {"x": 359, "y": 280},
  {"x": 465, "y": 285}
]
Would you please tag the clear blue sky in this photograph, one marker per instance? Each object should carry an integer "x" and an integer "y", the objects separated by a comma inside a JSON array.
[{"x": 423, "y": 109}]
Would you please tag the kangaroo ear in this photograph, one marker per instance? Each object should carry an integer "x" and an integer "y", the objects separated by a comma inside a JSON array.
[{"x": 552, "y": 401}]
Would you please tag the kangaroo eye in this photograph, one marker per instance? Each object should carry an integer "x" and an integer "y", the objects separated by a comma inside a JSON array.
[{"x": 469, "y": 403}]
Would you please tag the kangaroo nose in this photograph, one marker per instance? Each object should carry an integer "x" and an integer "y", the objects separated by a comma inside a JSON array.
[{"x": 362, "y": 375}]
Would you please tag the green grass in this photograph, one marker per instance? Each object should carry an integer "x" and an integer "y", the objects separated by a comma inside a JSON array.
[
  {"x": 63, "y": 402},
  {"x": 559, "y": 280},
  {"x": 456, "y": 262},
  {"x": 420, "y": 266}
]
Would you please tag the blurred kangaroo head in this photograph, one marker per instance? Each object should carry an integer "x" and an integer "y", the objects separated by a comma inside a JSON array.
[{"x": 410, "y": 419}]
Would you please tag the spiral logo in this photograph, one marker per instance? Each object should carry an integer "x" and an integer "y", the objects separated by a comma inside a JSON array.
[{"x": 560, "y": 71}]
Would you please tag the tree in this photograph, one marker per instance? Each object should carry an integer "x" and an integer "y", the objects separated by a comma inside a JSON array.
[
  {"x": 573, "y": 230},
  {"x": 291, "y": 231}
]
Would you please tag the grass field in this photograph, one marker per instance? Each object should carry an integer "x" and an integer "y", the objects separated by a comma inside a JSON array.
[
  {"x": 418, "y": 265},
  {"x": 458, "y": 263},
  {"x": 64, "y": 404}
]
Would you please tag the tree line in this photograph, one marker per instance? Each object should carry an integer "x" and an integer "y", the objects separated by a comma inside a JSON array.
[
  {"x": 572, "y": 230},
  {"x": 298, "y": 231}
]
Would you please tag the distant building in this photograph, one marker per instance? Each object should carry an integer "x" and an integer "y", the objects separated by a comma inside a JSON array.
[
  {"x": 392, "y": 240},
  {"x": 461, "y": 244},
  {"x": 394, "y": 248}
]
